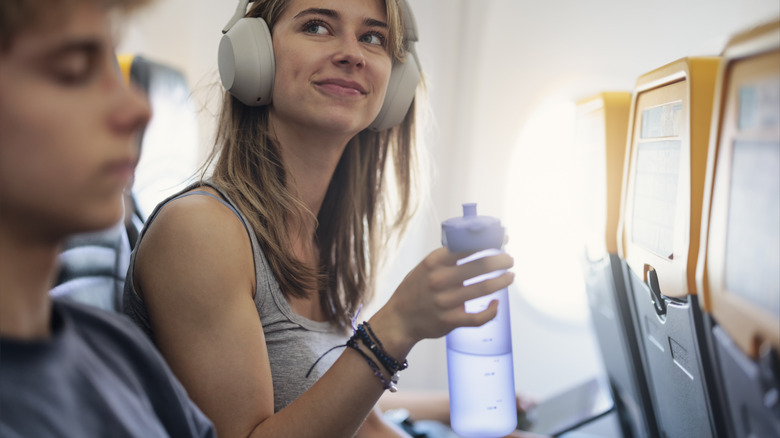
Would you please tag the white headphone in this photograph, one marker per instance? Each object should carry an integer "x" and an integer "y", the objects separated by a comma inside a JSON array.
[{"x": 247, "y": 66}]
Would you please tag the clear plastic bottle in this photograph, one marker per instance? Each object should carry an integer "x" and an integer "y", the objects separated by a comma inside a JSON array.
[{"x": 479, "y": 359}]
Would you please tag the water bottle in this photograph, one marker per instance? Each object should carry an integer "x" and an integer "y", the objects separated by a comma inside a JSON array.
[{"x": 479, "y": 359}]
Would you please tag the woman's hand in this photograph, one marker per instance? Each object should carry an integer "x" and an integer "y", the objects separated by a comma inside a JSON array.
[
  {"x": 524, "y": 403},
  {"x": 429, "y": 303}
]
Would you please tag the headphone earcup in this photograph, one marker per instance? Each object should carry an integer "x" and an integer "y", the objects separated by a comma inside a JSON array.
[
  {"x": 246, "y": 61},
  {"x": 401, "y": 88}
]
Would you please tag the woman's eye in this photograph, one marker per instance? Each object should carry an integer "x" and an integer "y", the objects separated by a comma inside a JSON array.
[
  {"x": 315, "y": 27},
  {"x": 374, "y": 38}
]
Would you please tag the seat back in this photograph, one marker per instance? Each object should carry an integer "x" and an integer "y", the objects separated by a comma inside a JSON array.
[
  {"x": 600, "y": 144},
  {"x": 659, "y": 229},
  {"x": 738, "y": 272},
  {"x": 93, "y": 267}
]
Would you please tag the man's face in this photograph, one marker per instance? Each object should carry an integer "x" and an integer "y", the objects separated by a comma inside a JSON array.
[{"x": 67, "y": 126}]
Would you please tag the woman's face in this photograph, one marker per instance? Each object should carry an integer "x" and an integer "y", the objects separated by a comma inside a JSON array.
[
  {"x": 68, "y": 126},
  {"x": 332, "y": 64}
]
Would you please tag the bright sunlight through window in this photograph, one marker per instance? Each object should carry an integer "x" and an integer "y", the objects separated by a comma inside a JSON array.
[{"x": 542, "y": 214}]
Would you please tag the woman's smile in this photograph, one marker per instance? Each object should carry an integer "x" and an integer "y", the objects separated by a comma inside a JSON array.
[{"x": 341, "y": 87}]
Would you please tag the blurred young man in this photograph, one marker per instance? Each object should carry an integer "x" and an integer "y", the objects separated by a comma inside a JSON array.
[{"x": 67, "y": 150}]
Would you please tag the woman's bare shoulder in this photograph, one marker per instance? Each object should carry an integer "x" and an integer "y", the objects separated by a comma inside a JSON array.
[
  {"x": 199, "y": 218},
  {"x": 198, "y": 237}
]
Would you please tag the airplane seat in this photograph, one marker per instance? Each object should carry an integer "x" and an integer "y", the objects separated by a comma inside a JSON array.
[
  {"x": 738, "y": 271},
  {"x": 600, "y": 142},
  {"x": 659, "y": 229},
  {"x": 93, "y": 265}
]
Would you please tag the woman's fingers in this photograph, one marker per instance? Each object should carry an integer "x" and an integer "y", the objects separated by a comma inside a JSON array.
[
  {"x": 443, "y": 257},
  {"x": 432, "y": 298},
  {"x": 446, "y": 284},
  {"x": 465, "y": 319},
  {"x": 448, "y": 276},
  {"x": 458, "y": 295}
]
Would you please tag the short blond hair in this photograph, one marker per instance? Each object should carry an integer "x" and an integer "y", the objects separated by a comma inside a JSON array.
[{"x": 16, "y": 15}]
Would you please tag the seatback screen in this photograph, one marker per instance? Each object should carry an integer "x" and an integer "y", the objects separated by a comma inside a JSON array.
[
  {"x": 753, "y": 228},
  {"x": 656, "y": 179}
]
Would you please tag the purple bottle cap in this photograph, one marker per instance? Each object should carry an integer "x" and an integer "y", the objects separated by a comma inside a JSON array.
[{"x": 471, "y": 232}]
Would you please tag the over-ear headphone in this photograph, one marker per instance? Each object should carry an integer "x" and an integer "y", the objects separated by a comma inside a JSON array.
[{"x": 247, "y": 66}]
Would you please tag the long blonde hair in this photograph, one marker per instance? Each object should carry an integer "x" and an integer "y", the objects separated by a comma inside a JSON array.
[{"x": 355, "y": 219}]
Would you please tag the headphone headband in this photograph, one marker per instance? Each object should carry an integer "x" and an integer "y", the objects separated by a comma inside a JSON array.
[{"x": 239, "y": 14}]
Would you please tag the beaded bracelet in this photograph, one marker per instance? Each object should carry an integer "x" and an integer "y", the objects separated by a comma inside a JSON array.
[
  {"x": 378, "y": 353},
  {"x": 386, "y": 384},
  {"x": 390, "y": 363}
]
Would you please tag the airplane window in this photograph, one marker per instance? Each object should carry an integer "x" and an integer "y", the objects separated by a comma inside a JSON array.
[
  {"x": 169, "y": 156},
  {"x": 542, "y": 213}
]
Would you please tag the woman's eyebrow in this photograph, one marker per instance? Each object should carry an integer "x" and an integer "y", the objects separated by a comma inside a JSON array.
[
  {"x": 318, "y": 11},
  {"x": 371, "y": 22},
  {"x": 374, "y": 23}
]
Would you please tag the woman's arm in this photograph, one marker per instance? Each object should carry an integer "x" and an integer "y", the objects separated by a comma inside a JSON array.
[{"x": 195, "y": 271}]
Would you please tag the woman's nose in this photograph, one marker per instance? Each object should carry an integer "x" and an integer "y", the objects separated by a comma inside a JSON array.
[{"x": 349, "y": 53}]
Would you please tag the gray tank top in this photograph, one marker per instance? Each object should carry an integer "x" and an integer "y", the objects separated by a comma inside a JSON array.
[{"x": 294, "y": 343}]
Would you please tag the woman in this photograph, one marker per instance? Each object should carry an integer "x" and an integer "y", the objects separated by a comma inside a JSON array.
[{"x": 248, "y": 280}]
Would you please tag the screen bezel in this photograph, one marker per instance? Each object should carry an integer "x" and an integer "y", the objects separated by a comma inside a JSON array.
[
  {"x": 748, "y": 325},
  {"x": 671, "y": 272}
]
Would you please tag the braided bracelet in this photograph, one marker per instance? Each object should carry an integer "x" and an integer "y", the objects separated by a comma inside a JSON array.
[
  {"x": 393, "y": 362},
  {"x": 386, "y": 384},
  {"x": 390, "y": 364}
]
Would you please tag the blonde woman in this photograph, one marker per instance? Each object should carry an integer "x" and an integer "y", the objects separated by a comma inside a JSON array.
[{"x": 248, "y": 279}]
